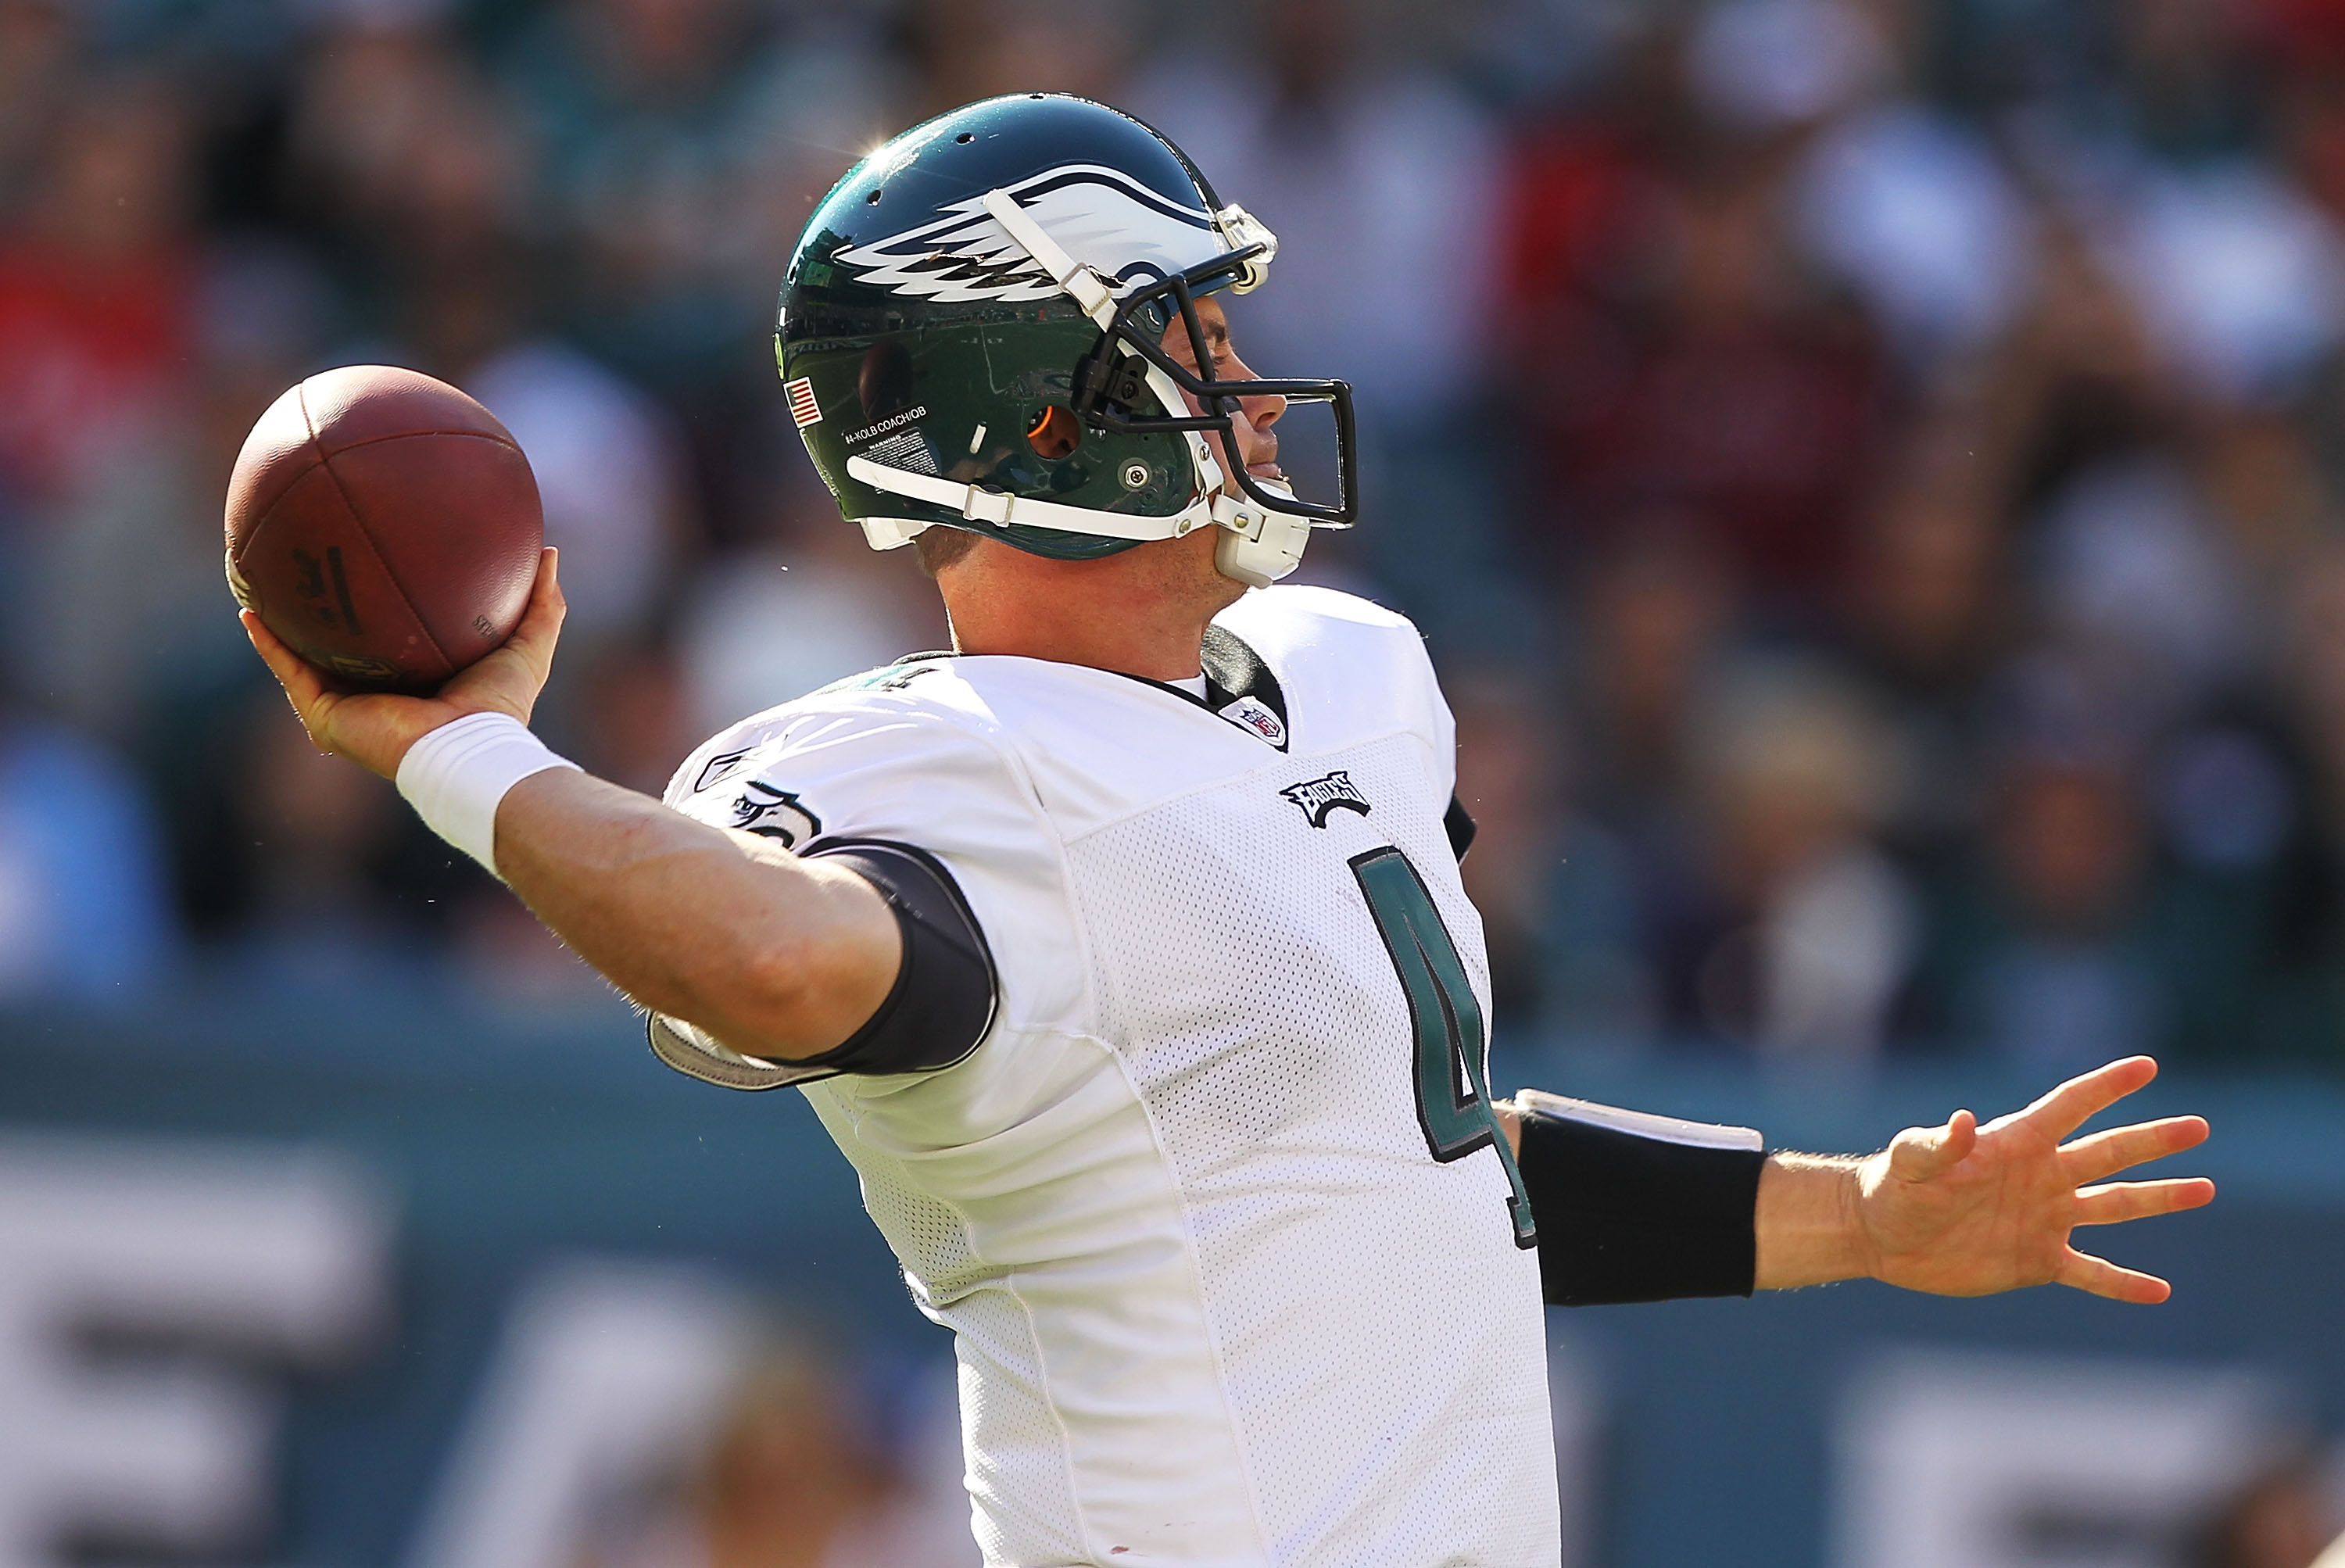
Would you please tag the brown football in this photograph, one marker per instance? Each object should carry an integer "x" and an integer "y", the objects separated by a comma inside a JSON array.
[{"x": 384, "y": 526}]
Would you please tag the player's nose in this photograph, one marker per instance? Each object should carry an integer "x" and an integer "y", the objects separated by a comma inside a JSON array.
[{"x": 1262, "y": 410}]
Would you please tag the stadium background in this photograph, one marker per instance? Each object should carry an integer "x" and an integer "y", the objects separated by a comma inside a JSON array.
[{"x": 1871, "y": 473}]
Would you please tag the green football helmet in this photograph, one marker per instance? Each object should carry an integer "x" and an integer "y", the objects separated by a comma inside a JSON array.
[{"x": 971, "y": 337}]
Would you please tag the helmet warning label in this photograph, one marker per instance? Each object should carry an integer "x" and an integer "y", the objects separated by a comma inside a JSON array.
[
  {"x": 803, "y": 408},
  {"x": 907, "y": 449}
]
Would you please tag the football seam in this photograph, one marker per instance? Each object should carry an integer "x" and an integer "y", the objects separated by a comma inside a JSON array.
[
  {"x": 243, "y": 548},
  {"x": 260, "y": 528},
  {"x": 366, "y": 532},
  {"x": 506, "y": 442}
]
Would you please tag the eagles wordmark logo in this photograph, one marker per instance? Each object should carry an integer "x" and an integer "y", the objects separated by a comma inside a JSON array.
[
  {"x": 1102, "y": 216},
  {"x": 1317, "y": 797},
  {"x": 772, "y": 813}
]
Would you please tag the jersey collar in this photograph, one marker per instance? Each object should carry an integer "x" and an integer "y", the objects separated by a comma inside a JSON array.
[
  {"x": 1239, "y": 685},
  {"x": 1238, "y": 688}
]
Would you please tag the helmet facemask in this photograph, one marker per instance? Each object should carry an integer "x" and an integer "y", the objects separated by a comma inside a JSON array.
[
  {"x": 1109, "y": 388},
  {"x": 1129, "y": 368}
]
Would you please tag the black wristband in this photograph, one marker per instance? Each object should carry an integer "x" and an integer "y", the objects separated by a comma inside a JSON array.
[{"x": 1634, "y": 1208}]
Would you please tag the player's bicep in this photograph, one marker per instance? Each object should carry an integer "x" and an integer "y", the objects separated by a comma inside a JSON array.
[{"x": 939, "y": 1007}]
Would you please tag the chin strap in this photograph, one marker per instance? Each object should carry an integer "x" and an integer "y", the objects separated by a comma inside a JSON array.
[
  {"x": 1002, "y": 511},
  {"x": 1088, "y": 289},
  {"x": 1258, "y": 546}
]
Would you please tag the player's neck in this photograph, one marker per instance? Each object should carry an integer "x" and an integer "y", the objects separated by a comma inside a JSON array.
[{"x": 1142, "y": 612}]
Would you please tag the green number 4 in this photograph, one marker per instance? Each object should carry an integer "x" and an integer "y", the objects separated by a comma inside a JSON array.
[{"x": 1453, "y": 1095}]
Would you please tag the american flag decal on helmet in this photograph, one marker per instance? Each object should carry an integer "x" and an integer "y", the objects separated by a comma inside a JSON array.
[{"x": 803, "y": 408}]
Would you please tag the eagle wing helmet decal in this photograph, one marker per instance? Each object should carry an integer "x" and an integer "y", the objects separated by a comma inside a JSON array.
[{"x": 1103, "y": 219}]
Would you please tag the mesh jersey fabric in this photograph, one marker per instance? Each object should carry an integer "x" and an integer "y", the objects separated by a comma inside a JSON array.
[{"x": 1214, "y": 1301}]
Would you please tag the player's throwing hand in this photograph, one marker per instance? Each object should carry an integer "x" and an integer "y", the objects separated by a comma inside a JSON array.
[
  {"x": 1965, "y": 1209},
  {"x": 374, "y": 728}
]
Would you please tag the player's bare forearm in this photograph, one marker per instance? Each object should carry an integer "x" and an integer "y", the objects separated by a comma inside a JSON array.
[
  {"x": 1809, "y": 1228},
  {"x": 773, "y": 956}
]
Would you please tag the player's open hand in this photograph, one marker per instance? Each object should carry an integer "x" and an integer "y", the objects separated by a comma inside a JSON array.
[
  {"x": 1963, "y": 1209},
  {"x": 374, "y": 728}
]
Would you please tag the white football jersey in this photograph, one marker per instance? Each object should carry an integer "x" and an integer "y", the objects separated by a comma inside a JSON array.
[{"x": 1237, "y": 1273}]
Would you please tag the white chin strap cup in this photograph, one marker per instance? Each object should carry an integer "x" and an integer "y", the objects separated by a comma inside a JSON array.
[{"x": 1257, "y": 548}]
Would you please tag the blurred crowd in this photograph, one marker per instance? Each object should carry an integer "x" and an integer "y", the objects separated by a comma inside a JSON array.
[{"x": 1871, "y": 471}]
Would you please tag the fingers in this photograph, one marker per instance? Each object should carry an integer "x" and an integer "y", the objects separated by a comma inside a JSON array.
[
  {"x": 2099, "y": 1277},
  {"x": 282, "y": 662},
  {"x": 2117, "y": 1202},
  {"x": 540, "y": 624},
  {"x": 302, "y": 680},
  {"x": 2078, "y": 1100},
  {"x": 547, "y": 604},
  {"x": 1918, "y": 1154},
  {"x": 2100, "y": 1155}
]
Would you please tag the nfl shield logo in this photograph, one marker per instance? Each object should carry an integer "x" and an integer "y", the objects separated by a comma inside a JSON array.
[{"x": 1257, "y": 717}]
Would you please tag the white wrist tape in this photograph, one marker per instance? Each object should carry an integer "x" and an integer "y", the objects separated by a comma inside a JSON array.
[{"x": 456, "y": 774}]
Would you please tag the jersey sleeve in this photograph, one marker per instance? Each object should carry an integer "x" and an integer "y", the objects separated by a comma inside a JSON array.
[{"x": 920, "y": 801}]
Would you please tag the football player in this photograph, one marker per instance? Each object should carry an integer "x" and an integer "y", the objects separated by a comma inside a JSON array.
[{"x": 1122, "y": 948}]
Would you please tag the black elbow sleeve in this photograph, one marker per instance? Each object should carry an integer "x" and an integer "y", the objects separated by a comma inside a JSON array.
[
  {"x": 1635, "y": 1207},
  {"x": 939, "y": 1009},
  {"x": 943, "y": 1000}
]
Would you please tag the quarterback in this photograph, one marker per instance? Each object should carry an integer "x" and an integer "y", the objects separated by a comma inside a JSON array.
[{"x": 1122, "y": 948}]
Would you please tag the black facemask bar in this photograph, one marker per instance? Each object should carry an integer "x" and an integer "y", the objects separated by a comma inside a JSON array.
[{"x": 1110, "y": 390}]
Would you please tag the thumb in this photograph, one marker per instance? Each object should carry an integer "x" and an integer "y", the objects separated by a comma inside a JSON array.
[{"x": 1918, "y": 1154}]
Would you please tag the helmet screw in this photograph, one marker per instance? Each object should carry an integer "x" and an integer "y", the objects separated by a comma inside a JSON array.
[{"x": 1135, "y": 474}]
